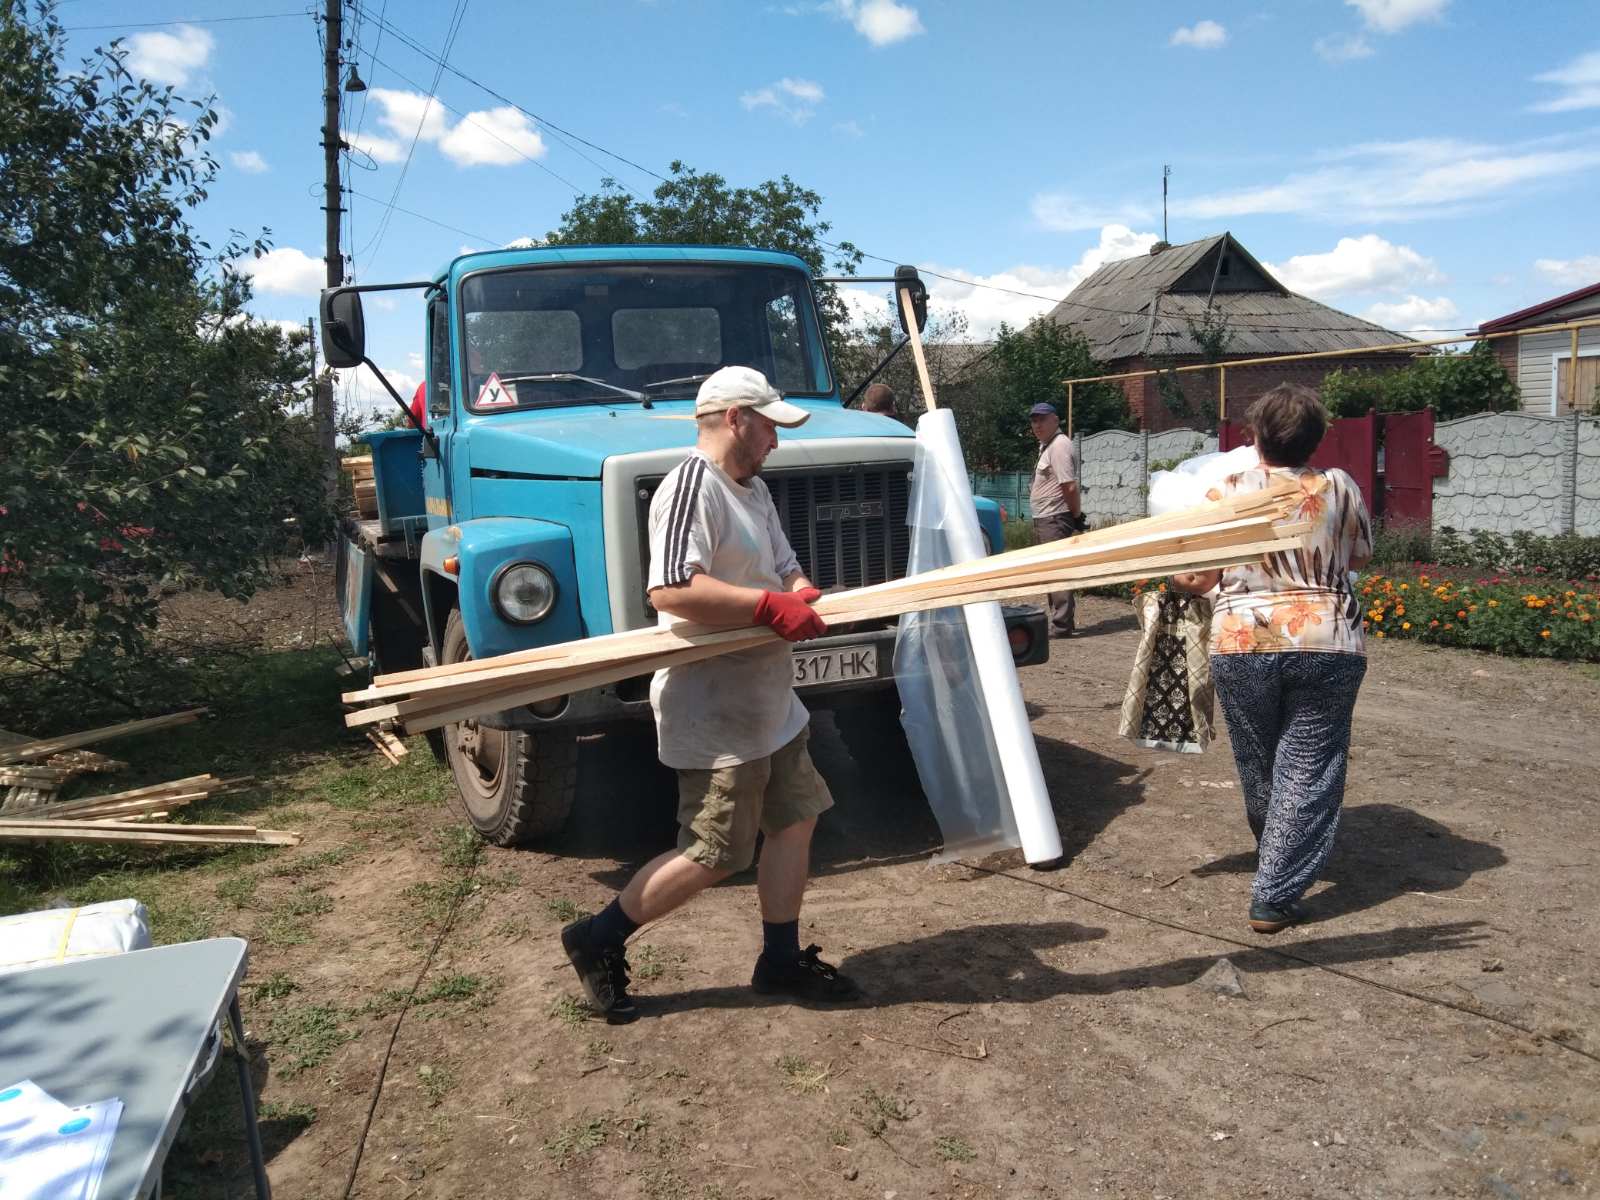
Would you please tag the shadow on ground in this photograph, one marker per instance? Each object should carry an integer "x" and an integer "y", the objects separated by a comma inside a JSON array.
[{"x": 1384, "y": 851}]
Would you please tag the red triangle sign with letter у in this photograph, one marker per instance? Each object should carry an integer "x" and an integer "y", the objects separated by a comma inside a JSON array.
[{"x": 495, "y": 394}]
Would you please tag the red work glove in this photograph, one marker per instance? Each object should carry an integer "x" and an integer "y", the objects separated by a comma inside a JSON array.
[{"x": 790, "y": 613}]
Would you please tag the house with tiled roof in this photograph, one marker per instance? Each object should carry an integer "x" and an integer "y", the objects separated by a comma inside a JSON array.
[{"x": 1143, "y": 313}]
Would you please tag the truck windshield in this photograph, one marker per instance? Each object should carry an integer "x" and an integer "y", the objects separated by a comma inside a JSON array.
[{"x": 598, "y": 333}]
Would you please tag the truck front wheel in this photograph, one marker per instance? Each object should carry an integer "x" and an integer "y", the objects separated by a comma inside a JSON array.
[{"x": 517, "y": 786}]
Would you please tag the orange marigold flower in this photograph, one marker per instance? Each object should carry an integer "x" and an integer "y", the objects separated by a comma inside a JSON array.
[
  {"x": 1405, "y": 624},
  {"x": 1434, "y": 624},
  {"x": 1494, "y": 604},
  {"x": 1544, "y": 633},
  {"x": 1405, "y": 587},
  {"x": 1462, "y": 613}
]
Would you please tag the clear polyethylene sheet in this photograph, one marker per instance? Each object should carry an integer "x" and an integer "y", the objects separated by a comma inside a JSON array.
[{"x": 942, "y": 705}]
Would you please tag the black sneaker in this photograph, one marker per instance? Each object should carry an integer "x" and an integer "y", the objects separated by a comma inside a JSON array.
[
  {"x": 1271, "y": 918},
  {"x": 804, "y": 978},
  {"x": 603, "y": 971}
]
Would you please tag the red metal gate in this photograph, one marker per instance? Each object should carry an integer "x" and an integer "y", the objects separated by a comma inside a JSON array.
[{"x": 1411, "y": 462}]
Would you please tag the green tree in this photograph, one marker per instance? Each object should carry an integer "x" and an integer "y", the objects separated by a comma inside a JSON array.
[
  {"x": 699, "y": 208},
  {"x": 1028, "y": 367},
  {"x": 1453, "y": 385},
  {"x": 950, "y": 353},
  {"x": 155, "y": 436}
]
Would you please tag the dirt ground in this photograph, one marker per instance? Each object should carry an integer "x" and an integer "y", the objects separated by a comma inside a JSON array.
[{"x": 1026, "y": 1034}]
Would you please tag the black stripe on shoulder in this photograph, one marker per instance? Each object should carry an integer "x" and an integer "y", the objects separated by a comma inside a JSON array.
[{"x": 675, "y": 571}]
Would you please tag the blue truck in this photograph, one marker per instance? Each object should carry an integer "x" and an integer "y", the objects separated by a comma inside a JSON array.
[{"x": 560, "y": 387}]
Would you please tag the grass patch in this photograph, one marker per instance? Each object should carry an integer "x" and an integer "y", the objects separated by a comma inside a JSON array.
[
  {"x": 569, "y": 1012},
  {"x": 803, "y": 1076},
  {"x": 305, "y": 1037},
  {"x": 564, "y": 910},
  {"x": 309, "y": 864},
  {"x": 839, "y": 1135},
  {"x": 289, "y": 922},
  {"x": 954, "y": 1149},
  {"x": 875, "y": 1110},
  {"x": 472, "y": 991},
  {"x": 275, "y": 987},
  {"x": 598, "y": 1048},
  {"x": 294, "y": 1113},
  {"x": 239, "y": 890},
  {"x": 433, "y": 902},
  {"x": 436, "y": 1082},
  {"x": 652, "y": 962},
  {"x": 575, "y": 1140},
  {"x": 460, "y": 847}
]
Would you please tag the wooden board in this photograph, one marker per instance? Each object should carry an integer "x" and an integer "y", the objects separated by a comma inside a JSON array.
[{"x": 43, "y": 748}]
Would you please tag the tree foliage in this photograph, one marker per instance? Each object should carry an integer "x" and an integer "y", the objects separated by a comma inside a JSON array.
[
  {"x": 951, "y": 356},
  {"x": 699, "y": 208},
  {"x": 155, "y": 436},
  {"x": 1453, "y": 385},
  {"x": 1028, "y": 366}
]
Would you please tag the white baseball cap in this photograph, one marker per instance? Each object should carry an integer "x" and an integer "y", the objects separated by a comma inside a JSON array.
[{"x": 745, "y": 387}]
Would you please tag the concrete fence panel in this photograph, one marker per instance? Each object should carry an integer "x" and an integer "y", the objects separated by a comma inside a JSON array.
[{"x": 1517, "y": 471}]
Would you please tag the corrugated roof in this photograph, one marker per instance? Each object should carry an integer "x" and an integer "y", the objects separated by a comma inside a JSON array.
[{"x": 1129, "y": 308}]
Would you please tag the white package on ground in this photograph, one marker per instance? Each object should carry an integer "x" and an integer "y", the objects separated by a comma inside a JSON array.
[
  {"x": 58, "y": 935},
  {"x": 939, "y": 465},
  {"x": 1186, "y": 484}
]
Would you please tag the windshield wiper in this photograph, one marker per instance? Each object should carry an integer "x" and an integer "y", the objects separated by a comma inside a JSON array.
[
  {"x": 661, "y": 383},
  {"x": 569, "y": 377}
]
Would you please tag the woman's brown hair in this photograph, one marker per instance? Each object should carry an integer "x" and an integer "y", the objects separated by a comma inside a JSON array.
[{"x": 1288, "y": 422}]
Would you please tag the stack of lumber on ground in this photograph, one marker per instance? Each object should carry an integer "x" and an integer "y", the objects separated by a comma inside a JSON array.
[
  {"x": 1231, "y": 532},
  {"x": 19, "y": 830},
  {"x": 33, "y": 769},
  {"x": 363, "y": 486}
]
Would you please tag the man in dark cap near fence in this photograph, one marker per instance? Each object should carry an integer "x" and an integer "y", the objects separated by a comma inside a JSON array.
[{"x": 1057, "y": 508}]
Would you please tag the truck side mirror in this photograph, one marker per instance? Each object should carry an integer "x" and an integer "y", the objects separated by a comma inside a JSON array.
[
  {"x": 907, "y": 279},
  {"x": 344, "y": 330}
]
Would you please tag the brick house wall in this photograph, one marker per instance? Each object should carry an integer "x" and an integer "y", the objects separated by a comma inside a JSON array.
[{"x": 1244, "y": 385}]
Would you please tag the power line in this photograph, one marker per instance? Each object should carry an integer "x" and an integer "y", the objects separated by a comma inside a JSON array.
[
  {"x": 192, "y": 21},
  {"x": 431, "y": 221},
  {"x": 451, "y": 30},
  {"x": 442, "y": 65}
]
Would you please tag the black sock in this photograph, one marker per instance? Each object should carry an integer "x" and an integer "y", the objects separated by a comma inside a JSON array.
[
  {"x": 612, "y": 926},
  {"x": 780, "y": 940}
]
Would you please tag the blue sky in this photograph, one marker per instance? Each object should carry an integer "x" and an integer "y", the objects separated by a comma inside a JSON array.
[{"x": 1425, "y": 163}]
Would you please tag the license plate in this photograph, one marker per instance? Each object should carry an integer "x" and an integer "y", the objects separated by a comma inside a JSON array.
[{"x": 842, "y": 665}]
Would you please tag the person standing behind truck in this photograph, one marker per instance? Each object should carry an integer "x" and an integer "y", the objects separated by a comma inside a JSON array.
[
  {"x": 880, "y": 398},
  {"x": 1057, "y": 509},
  {"x": 732, "y": 726}
]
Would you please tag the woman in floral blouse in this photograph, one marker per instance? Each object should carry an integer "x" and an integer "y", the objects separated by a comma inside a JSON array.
[{"x": 1287, "y": 657}]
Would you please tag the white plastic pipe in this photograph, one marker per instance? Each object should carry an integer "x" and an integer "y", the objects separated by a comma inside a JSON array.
[{"x": 991, "y": 650}]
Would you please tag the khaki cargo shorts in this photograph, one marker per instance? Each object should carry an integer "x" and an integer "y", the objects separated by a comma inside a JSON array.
[{"x": 720, "y": 810}]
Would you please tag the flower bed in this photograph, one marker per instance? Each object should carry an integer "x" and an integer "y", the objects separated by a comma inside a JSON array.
[
  {"x": 1526, "y": 615},
  {"x": 1521, "y": 615}
]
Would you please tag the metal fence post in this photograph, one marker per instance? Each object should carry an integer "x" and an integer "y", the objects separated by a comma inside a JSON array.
[{"x": 1144, "y": 468}]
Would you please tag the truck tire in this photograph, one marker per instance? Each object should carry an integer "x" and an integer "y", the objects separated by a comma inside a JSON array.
[
  {"x": 517, "y": 786},
  {"x": 870, "y": 730}
]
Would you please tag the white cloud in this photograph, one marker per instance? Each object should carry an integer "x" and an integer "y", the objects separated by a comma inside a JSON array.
[
  {"x": 1015, "y": 295},
  {"x": 1342, "y": 47},
  {"x": 1202, "y": 35},
  {"x": 1570, "y": 272},
  {"x": 403, "y": 111},
  {"x": 490, "y": 137},
  {"x": 1063, "y": 213},
  {"x": 1391, "y": 16},
  {"x": 525, "y": 242},
  {"x": 796, "y": 99},
  {"x": 286, "y": 270},
  {"x": 881, "y": 22},
  {"x": 1415, "y": 314},
  {"x": 1580, "y": 81},
  {"x": 1421, "y": 178},
  {"x": 850, "y": 129},
  {"x": 1362, "y": 264},
  {"x": 171, "y": 58},
  {"x": 249, "y": 161},
  {"x": 495, "y": 137},
  {"x": 379, "y": 149}
]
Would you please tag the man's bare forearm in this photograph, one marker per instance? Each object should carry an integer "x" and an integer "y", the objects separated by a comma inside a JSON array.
[
  {"x": 1069, "y": 493},
  {"x": 707, "y": 601}
]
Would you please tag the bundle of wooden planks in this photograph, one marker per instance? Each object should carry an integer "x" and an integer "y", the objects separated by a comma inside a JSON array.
[
  {"x": 1238, "y": 530},
  {"x": 363, "y": 485},
  {"x": 126, "y": 816}
]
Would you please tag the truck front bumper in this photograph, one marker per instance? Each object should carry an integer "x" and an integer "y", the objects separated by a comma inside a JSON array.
[{"x": 629, "y": 700}]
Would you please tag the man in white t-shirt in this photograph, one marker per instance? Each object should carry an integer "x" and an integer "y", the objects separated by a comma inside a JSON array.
[
  {"x": 1054, "y": 497},
  {"x": 731, "y": 726}
]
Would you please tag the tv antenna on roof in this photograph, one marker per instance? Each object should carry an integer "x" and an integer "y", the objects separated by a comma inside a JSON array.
[{"x": 1165, "y": 172}]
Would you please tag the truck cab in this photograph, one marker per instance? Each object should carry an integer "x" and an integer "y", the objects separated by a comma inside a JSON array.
[{"x": 560, "y": 388}]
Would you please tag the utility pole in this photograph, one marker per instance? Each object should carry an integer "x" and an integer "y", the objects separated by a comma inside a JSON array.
[{"x": 333, "y": 207}]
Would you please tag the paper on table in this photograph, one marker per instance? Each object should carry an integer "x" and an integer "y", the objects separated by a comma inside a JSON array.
[{"x": 49, "y": 1151}]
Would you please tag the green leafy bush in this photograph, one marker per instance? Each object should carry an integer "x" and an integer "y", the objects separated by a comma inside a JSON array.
[
  {"x": 1453, "y": 385},
  {"x": 1565, "y": 556},
  {"x": 1514, "y": 616}
]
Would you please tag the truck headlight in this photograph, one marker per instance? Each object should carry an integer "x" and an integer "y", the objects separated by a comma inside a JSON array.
[{"x": 523, "y": 592}]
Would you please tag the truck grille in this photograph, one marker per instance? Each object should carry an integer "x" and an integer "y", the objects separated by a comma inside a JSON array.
[{"x": 847, "y": 524}]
